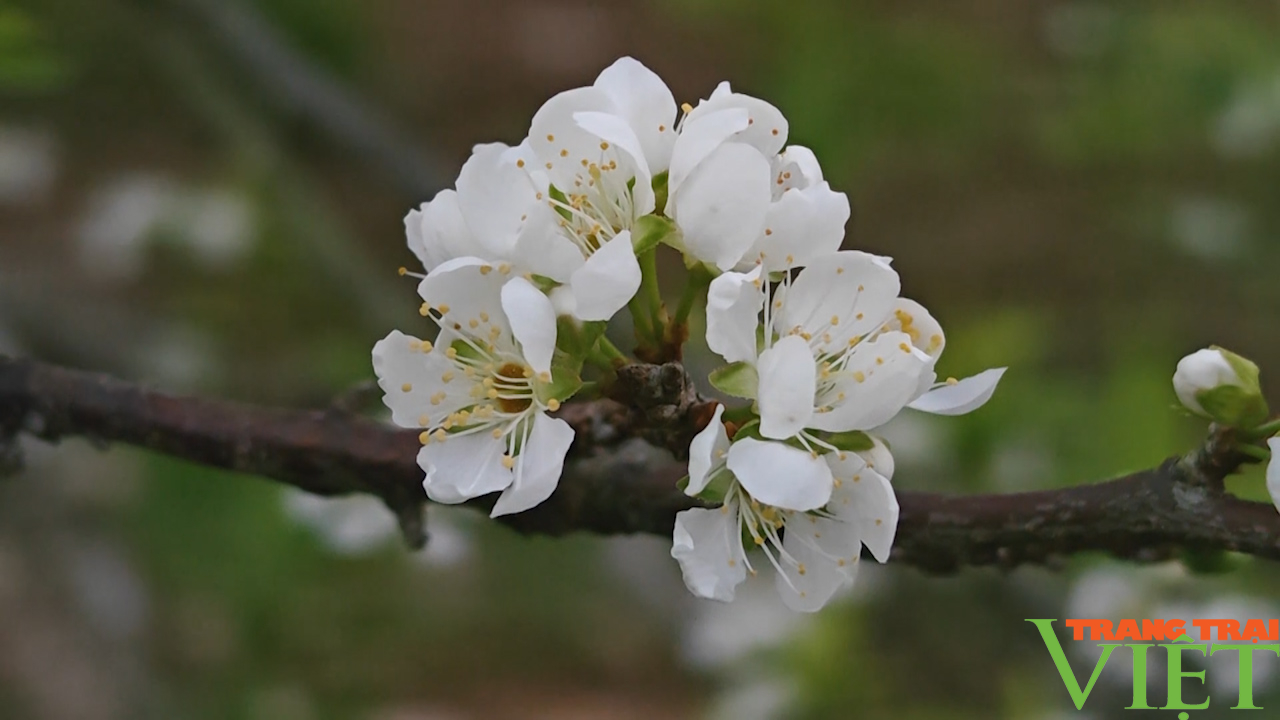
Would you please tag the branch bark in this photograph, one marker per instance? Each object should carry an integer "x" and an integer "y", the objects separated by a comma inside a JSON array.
[{"x": 616, "y": 482}]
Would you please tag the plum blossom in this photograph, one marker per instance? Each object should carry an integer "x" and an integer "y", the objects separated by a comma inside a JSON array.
[
  {"x": 481, "y": 392},
  {"x": 739, "y": 197},
  {"x": 814, "y": 548}
]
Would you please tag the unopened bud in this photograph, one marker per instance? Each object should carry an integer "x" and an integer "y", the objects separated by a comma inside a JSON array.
[{"x": 1221, "y": 385}]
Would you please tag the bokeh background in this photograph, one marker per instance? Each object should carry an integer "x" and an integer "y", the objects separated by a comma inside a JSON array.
[{"x": 206, "y": 195}]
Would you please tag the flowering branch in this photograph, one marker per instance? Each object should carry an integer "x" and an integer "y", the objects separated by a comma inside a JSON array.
[{"x": 617, "y": 484}]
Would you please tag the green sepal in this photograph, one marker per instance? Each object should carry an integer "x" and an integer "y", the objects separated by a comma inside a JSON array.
[
  {"x": 851, "y": 441},
  {"x": 561, "y": 198},
  {"x": 739, "y": 415},
  {"x": 574, "y": 339},
  {"x": 1234, "y": 406},
  {"x": 649, "y": 231},
  {"x": 738, "y": 379},
  {"x": 660, "y": 192},
  {"x": 464, "y": 349},
  {"x": 565, "y": 382},
  {"x": 749, "y": 430}
]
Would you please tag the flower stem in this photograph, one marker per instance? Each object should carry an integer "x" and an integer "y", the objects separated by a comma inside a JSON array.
[
  {"x": 1255, "y": 452},
  {"x": 698, "y": 280},
  {"x": 649, "y": 287},
  {"x": 611, "y": 353},
  {"x": 1266, "y": 429}
]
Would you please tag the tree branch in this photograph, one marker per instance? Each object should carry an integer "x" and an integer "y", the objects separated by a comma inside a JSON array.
[{"x": 615, "y": 482}]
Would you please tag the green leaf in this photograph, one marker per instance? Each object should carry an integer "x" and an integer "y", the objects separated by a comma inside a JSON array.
[
  {"x": 650, "y": 230},
  {"x": 852, "y": 441},
  {"x": 738, "y": 379}
]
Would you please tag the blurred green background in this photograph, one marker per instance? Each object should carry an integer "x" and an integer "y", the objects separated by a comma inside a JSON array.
[{"x": 207, "y": 195}]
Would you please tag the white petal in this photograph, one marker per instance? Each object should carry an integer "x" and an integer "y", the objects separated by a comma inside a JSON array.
[
  {"x": 721, "y": 208},
  {"x": 1273, "y": 471},
  {"x": 615, "y": 131},
  {"x": 926, "y": 334},
  {"x": 409, "y": 378},
  {"x": 461, "y": 468},
  {"x": 607, "y": 281},
  {"x": 470, "y": 289},
  {"x": 734, "y": 301},
  {"x": 801, "y": 226},
  {"x": 965, "y": 396},
  {"x": 708, "y": 546},
  {"x": 533, "y": 322},
  {"x": 707, "y": 452},
  {"x": 825, "y": 550},
  {"x": 780, "y": 475},
  {"x": 854, "y": 289},
  {"x": 879, "y": 379},
  {"x": 865, "y": 499},
  {"x": 560, "y": 144},
  {"x": 788, "y": 380},
  {"x": 767, "y": 129},
  {"x": 699, "y": 139},
  {"x": 804, "y": 161},
  {"x": 643, "y": 99},
  {"x": 437, "y": 232},
  {"x": 543, "y": 249},
  {"x": 495, "y": 197},
  {"x": 538, "y": 466},
  {"x": 879, "y": 458}
]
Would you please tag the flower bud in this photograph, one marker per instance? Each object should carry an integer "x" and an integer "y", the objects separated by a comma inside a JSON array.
[{"x": 1221, "y": 385}]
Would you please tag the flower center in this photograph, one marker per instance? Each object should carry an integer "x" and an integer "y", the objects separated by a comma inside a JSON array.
[
  {"x": 597, "y": 208},
  {"x": 518, "y": 373}
]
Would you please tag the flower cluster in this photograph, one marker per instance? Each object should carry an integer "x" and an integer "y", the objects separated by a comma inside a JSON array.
[{"x": 541, "y": 243}]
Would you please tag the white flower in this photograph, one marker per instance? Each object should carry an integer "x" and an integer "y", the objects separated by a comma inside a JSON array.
[
  {"x": 1221, "y": 385},
  {"x": 599, "y": 148},
  {"x": 502, "y": 212},
  {"x": 479, "y": 391},
  {"x": 738, "y": 197},
  {"x": 841, "y": 351},
  {"x": 814, "y": 548},
  {"x": 1273, "y": 471}
]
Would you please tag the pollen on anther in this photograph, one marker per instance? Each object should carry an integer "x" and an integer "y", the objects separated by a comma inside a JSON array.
[
  {"x": 508, "y": 462},
  {"x": 952, "y": 381},
  {"x": 424, "y": 310},
  {"x": 548, "y": 165},
  {"x": 439, "y": 435},
  {"x": 544, "y": 376},
  {"x": 402, "y": 271},
  {"x": 879, "y": 521},
  {"x": 662, "y": 128},
  {"x": 553, "y": 404},
  {"x": 859, "y": 376},
  {"x": 473, "y": 323},
  {"x": 486, "y": 269},
  {"x": 551, "y": 138},
  {"x": 774, "y": 131},
  {"x": 604, "y": 145},
  {"x": 519, "y": 163},
  {"x": 497, "y": 432},
  {"x": 424, "y": 437},
  {"x": 904, "y": 347},
  {"x": 839, "y": 271},
  {"x": 686, "y": 108},
  {"x": 447, "y": 377},
  {"x": 426, "y": 346},
  {"x": 407, "y": 387},
  {"x": 767, "y": 231},
  {"x": 564, "y": 152},
  {"x": 443, "y": 308},
  {"x": 835, "y": 319}
]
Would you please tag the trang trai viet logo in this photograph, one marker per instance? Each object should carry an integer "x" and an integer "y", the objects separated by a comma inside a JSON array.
[{"x": 1171, "y": 639}]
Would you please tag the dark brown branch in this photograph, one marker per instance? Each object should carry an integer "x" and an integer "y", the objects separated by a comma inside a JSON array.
[{"x": 617, "y": 483}]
